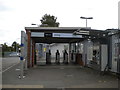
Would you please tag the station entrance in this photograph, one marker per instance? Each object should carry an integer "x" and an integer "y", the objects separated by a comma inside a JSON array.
[
  {"x": 65, "y": 45},
  {"x": 80, "y": 45},
  {"x": 45, "y": 41}
]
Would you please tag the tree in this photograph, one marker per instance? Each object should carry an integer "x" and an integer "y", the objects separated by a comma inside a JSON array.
[
  {"x": 15, "y": 46},
  {"x": 5, "y": 48},
  {"x": 49, "y": 21}
]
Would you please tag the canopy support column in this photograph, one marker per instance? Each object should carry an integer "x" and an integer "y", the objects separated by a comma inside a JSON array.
[{"x": 28, "y": 46}]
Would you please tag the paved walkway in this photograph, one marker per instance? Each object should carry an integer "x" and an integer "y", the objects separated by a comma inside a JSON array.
[{"x": 58, "y": 76}]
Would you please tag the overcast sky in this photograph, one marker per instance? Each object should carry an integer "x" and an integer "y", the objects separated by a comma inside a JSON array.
[{"x": 17, "y": 14}]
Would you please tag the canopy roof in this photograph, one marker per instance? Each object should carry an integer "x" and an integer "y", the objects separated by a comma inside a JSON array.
[{"x": 65, "y": 34}]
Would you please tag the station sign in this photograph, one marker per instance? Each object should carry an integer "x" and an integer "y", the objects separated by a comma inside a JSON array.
[
  {"x": 58, "y": 35},
  {"x": 37, "y": 34},
  {"x": 66, "y": 35},
  {"x": 47, "y": 34}
]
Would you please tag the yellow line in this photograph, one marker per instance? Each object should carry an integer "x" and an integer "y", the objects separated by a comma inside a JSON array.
[{"x": 22, "y": 86}]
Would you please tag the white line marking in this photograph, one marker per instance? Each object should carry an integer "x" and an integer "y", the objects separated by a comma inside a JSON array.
[{"x": 10, "y": 67}]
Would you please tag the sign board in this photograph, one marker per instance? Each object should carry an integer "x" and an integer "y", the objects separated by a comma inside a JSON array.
[
  {"x": 47, "y": 34},
  {"x": 66, "y": 35},
  {"x": 37, "y": 34},
  {"x": 44, "y": 49},
  {"x": 60, "y": 35}
]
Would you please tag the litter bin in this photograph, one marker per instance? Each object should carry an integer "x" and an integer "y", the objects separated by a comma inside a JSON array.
[
  {"x": 79, "y": 59},
  {"x": 57, "y": 61}
]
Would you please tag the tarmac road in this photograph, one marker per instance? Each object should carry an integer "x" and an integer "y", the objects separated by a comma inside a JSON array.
[{"x": 9, "y": 62}]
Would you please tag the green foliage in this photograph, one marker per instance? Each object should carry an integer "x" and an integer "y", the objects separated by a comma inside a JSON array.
[
  {"x": 4, "y": 47},
  {"x": 15, "y": 46},
  {"x": 49, "y": 21}
]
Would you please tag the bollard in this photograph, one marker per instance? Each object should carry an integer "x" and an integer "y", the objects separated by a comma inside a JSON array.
[{"x": 21, "y": 68}]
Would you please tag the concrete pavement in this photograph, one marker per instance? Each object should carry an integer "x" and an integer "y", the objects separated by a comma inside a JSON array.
[{"x": 58, "y": 76}]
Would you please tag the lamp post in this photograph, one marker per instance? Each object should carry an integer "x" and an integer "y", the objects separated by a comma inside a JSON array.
[{"x": 86, "y": 19}]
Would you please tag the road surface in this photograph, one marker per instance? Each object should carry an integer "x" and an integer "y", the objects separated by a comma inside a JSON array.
[{"x": 9, "y": 62}]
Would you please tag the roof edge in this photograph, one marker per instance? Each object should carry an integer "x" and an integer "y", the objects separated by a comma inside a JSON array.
[{"x": 37, "y": 28}]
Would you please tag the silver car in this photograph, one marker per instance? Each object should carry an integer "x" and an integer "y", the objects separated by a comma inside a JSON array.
[{"x": 14, "y": 54}]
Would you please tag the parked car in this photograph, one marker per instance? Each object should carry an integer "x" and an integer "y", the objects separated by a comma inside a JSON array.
[{"x": 14, "y": 54}]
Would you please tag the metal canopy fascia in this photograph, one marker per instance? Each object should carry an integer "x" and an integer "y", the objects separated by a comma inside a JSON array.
[
  {"x": 91, "y": 32},
  {"x": 53, "y": 29},
  {"x": 113, "y": 31},
  {"x": 60, "y": 30},
  {"x": 56, "y": 40}
]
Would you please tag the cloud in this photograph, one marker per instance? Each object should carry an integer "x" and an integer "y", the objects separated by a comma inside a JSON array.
[{"x": 17, "y": 14}]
